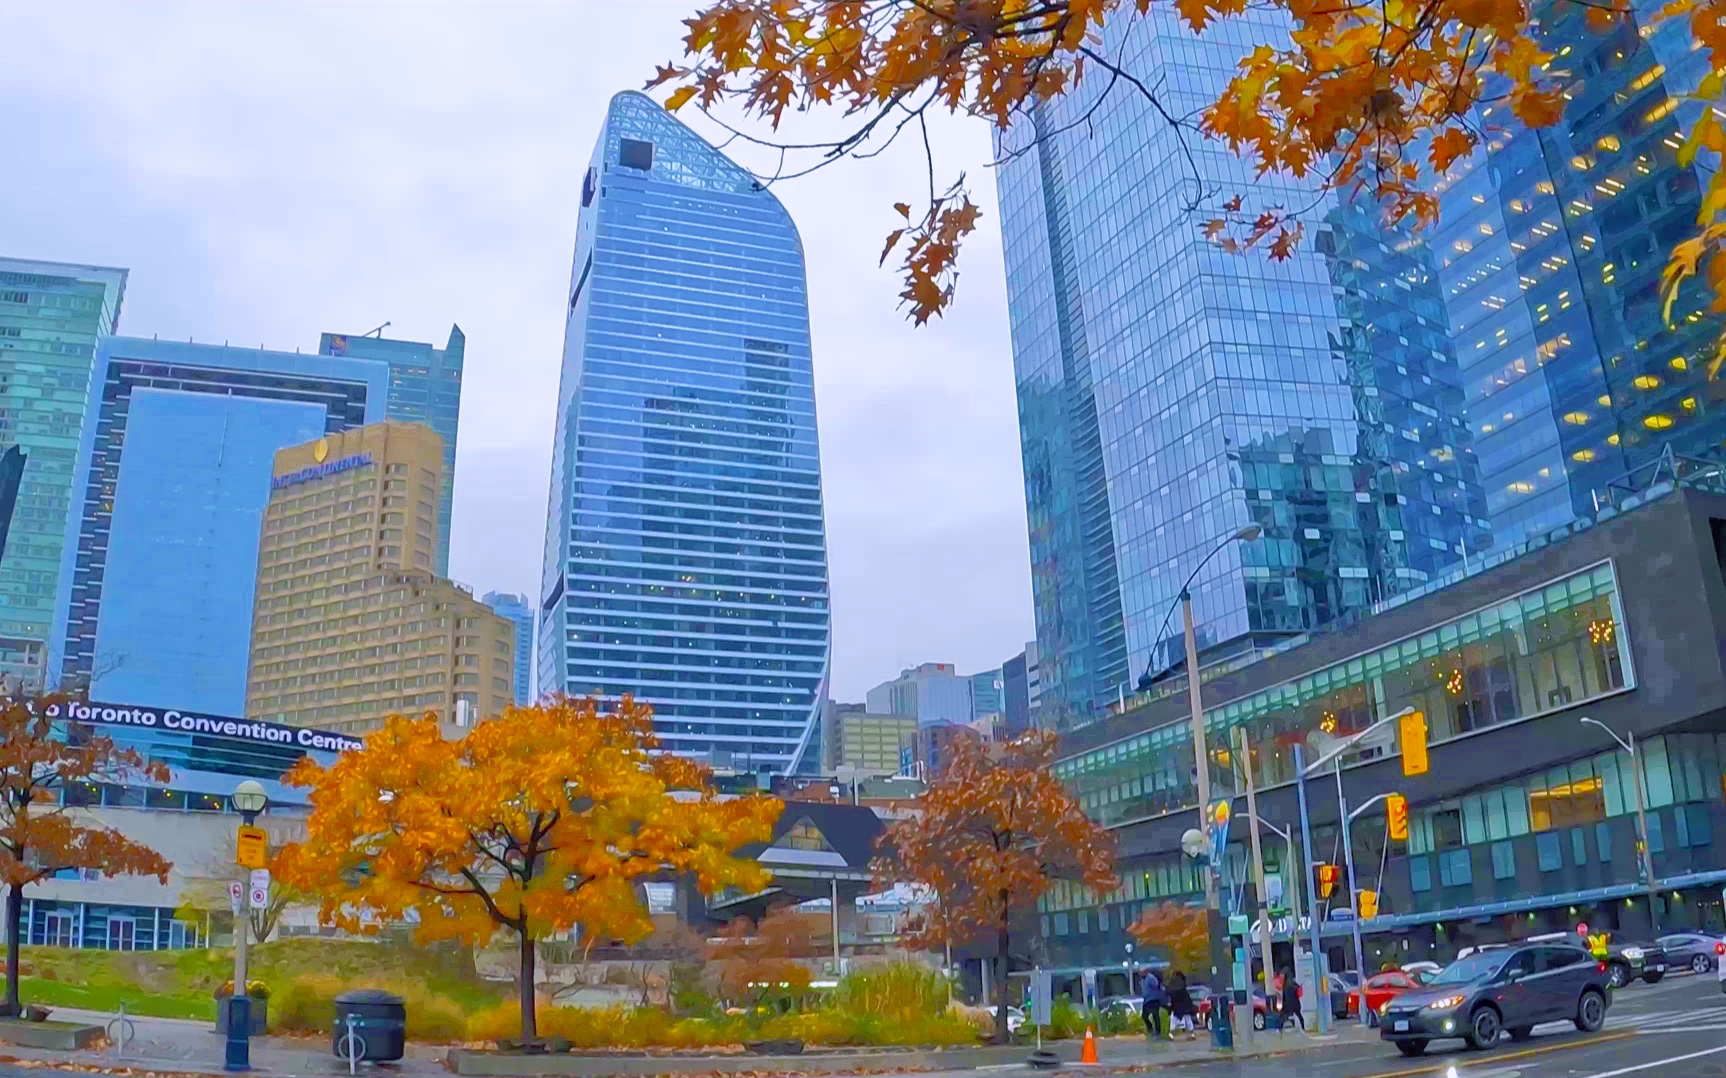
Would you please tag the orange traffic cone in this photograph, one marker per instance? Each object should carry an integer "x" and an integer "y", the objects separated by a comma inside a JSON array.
[{"x": 1089, "y": 1053}]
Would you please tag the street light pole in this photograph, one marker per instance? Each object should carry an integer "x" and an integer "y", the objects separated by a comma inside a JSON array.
[
  {"x": 249, "y": 800},
  {"x": 1646, "y": 858},
  {"x": 1258, "y": 865},
  {"x": 1348, "y": 819}
]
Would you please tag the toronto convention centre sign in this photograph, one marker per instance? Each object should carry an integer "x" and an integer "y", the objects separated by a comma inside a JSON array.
[{"x": 252, "y": 730}]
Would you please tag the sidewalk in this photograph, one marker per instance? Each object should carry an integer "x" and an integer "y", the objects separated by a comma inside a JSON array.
[{"x": 177, "y": 1046}]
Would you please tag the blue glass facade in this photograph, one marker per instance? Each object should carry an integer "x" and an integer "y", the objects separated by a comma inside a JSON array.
[
  {"x": 173, "y": 473},
  {"x": 519, "y": 611},
  {"x": 425, "y": 387},
  {"x": 1170, "y": 393},
  {"x": 51, "y": 315},
  {"x": 685, "y": 557},
  {"x": 1550, "y": 246}
]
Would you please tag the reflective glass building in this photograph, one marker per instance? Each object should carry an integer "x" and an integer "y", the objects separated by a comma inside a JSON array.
[
  {"x": 1170, "y": 393},
  {"x": 51, "y": 314},
  {"x": 685, "y": 557},
  {"x": 173, "y": 474},
  {"x": 1550, "y": 247},
  {"x": 425, "y": 387},
  {"x": 519, "y": 611}
]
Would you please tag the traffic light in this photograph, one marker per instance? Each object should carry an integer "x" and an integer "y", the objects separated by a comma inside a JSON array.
[
  {"x": 1413, "y": 730},
  {"x": 1396, "y": 812},
  {"x": 1368, "y": 905},
  {"x": 1328, "y": 875}
]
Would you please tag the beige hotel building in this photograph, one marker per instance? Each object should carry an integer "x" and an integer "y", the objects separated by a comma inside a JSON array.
[{"x": 350, "y": 624}]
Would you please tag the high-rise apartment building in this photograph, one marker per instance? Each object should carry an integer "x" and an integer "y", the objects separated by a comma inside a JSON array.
[
  {"x": 161, "y": 549},
  {"x": 1551, "y": 245},
  {"x": 350, "y": 624},
  {"x": 1171, "y": 393},
  {"x": 51, "y": 314},
  {"x": 519, "y": 612},
  {"x": 425, "y": 387},
  {"x": 685, "y": 556}
]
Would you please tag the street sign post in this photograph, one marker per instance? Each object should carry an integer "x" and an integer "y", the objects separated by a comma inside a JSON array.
[{"x": 251, "y": 847}]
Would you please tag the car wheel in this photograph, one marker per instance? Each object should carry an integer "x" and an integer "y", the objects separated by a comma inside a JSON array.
[
  {"x": 1591, "y": 1012},
  {"x": 1701, "y": 964},
  {"x": 1411, "y": 1048},
  {"x": 1652, "y": 978},
  {"x": 1520, "y": 1033},
  {"x": 1617, "y": 974},
  {"x": 1258, "y": 1020},
  {"x": 1484, "y": 1027}
]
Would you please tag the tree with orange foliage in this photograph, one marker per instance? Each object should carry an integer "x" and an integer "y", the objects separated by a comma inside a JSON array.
[
  {"x": 995, "y": 831},
  {"x": 759, "y": 961},
  {"x": 1179, "y": 930},
  {"x": 542, "y": 820},
  {"x": 41, "y": 755},
  {"x": 1375, "y": 98}
]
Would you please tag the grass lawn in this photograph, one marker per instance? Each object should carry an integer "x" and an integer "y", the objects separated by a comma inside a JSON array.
[{"x": 182, "y": 984}]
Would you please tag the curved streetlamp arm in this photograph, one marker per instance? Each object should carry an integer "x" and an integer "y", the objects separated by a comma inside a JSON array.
[{"x": 1246, "y": 535}]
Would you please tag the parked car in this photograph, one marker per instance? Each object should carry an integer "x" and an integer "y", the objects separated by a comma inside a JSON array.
[
  {"x": 1381, "y": 988},
  {"x": 1202, "y": 1001},
  {"x": 1428, "y": 968},
  {"x": 1478, "y": 998},
  {"x": 1690, "y": 950},
  {"x": 1132, "y": 1005},
  {"x": 1342, "y": 982}
]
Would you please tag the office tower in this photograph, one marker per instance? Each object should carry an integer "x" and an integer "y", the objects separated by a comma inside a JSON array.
[
  {"x": 425, "y": 387},
  {"x": 1018, "y": 675},
  {"x": 1551, "y": 245},
  {"x": 51, "y": 314},
  {"x": 1171, "y": 393},
  {"x": 685, "y": 557},
  {"x": 860, "y": 741},
  {"x": 929, "y": 692},
  {"x": 986, "y": 694},
  {"x": 162, "y": 534},
  {"x": 519, "y": 613},
  {"x": 350, "y": 624}
]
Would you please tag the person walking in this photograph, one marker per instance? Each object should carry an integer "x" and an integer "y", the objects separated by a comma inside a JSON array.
[
  {"x": 1156, "y": 1000},
  {"x": 1182, "y": 1012},
  {"x": 1291, "y": 1000}
]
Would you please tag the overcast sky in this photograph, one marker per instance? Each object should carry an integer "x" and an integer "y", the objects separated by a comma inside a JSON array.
[{"x": 271, "y": 171}]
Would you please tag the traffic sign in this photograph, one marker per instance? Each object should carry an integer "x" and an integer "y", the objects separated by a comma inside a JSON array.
[
  {"x": 260, "y": 897},
  {"x": 1341, "y": 913},
  {"x": 1413, "y": 730},
  {"x": 236, "y": 892},
  {"x": 251, "y": 847}
]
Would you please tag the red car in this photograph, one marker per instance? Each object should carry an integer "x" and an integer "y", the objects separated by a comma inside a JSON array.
[{"x": 1381, "y": 988}]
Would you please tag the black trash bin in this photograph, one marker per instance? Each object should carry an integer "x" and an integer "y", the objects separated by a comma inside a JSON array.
[{"x": 370, "y": 1026}]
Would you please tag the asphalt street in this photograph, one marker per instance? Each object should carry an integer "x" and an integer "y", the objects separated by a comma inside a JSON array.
[{"x": 1675, "y": 1029}]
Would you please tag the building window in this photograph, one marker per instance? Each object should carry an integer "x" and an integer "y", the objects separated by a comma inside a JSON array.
[
  {"x": 1656, "y": 838},
  {"x": 1579, "y": 846},
  {"x": 1454, "y": 869},
  {"x": 1603, "y": 842},
  {"x": 1419, "y": 874},
  {"x": 1503, "y": 861}
]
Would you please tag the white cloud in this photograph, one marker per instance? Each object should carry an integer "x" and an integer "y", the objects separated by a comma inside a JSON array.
[{"x": 268, "y": 171}]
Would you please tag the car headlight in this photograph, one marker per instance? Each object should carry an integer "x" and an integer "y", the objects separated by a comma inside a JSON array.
[
  {"x": 1446, "y": 1004},
  {"x": 1383, "y": 1007},
  {"x": 1633, "y": 953}
]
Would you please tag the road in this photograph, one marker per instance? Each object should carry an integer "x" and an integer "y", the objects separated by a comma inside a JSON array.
[{"x": 1675, "y": 1029}]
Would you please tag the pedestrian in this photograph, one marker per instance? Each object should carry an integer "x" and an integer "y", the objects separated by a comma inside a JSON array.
[
  {"x": 1156, "y": 1000},
  {"x": 1182, "y": 1012},
  {"x": 1291, "y": 1000}
]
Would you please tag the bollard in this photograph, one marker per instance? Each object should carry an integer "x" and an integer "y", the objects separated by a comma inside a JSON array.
[{"x": 239, "y": 1047}]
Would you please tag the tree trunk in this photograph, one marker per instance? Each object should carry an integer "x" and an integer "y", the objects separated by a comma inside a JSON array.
[
  {"x": 1002, "y": 965},
  {"x": 529, "y": 1021},
  {"x": 14, "y": 915}
]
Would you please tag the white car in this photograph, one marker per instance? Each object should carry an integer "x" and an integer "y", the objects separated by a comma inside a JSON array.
[
  {"x": 1015, "y": 1018},
  {"x": 1427, "y": 968}
]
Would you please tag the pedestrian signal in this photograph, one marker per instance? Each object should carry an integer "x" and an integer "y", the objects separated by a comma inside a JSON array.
[{"x": 1328, "y": 875}]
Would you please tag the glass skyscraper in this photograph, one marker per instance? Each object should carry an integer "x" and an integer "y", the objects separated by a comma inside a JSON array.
[
  {"x": 1171, "y": 393},
  {"x": 173, "y": 473},
  {"x": 425, "y": 387},
  {"x": 51, "y": 314},
  {"x": 1550, "y": 247},
  {"x": 519, "y": 611},
  {"x": 685, "y": 556}
]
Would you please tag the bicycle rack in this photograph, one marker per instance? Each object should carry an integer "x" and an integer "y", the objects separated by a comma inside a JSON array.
[{"x": 120, "y": 1029}]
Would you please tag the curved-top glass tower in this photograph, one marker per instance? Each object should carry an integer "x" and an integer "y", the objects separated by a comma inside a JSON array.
[{"x": 685, "y": 556}]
